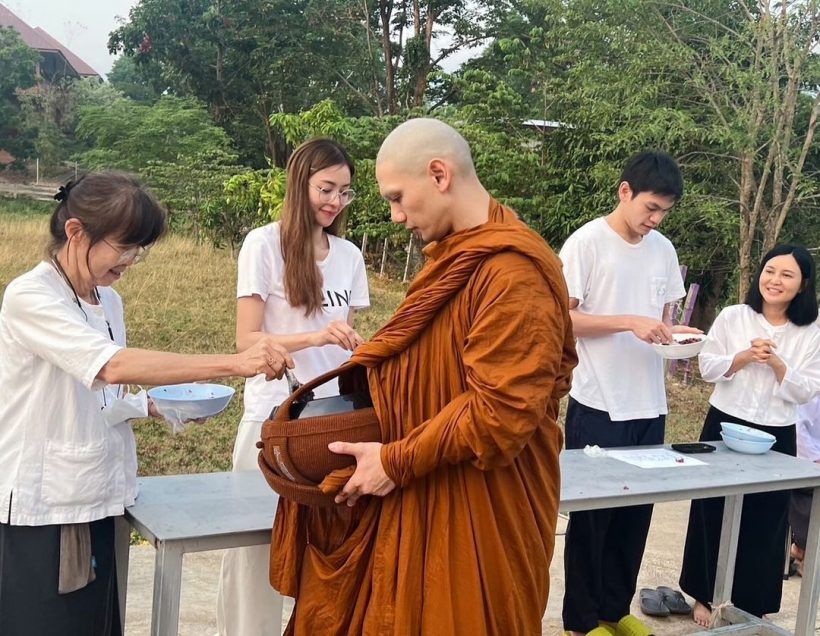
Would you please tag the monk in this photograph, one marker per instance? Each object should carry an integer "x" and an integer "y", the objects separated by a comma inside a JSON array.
[{"x": 448, "y": 526}]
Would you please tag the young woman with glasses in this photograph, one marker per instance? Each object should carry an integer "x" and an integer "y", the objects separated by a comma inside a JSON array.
[
  {"x": 68, "y": 460},
  {"x": 299, "y": 281}
]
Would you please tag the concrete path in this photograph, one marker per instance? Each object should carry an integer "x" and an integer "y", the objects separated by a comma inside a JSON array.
[{"x": 660, "y": 567}]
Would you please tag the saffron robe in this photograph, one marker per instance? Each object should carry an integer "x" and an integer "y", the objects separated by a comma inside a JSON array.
[{"x": 466, "y": 378}]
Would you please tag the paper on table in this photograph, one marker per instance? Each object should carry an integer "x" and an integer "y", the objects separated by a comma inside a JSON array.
[{"x": 654, "y": 458}]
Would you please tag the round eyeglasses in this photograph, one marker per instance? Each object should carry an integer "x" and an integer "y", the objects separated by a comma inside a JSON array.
[
  {"x": 328, "y": 195},
  {"x": 131, "y": 255}
]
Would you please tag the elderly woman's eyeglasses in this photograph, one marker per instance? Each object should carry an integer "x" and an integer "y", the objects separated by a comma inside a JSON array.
[
  {"x": 131, "y": 255},
  {"x": 327, "y": 195}
]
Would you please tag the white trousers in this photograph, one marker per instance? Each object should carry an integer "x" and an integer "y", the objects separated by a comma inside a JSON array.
[{"x": 247, "y": 605}]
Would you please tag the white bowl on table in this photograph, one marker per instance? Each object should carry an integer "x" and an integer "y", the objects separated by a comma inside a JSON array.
[
  {"x": 743, "y": 432},
  {"x": 191, "y": 401},
  {"x": 746, "y": 446},
  {"x": 677, "y": 351}
]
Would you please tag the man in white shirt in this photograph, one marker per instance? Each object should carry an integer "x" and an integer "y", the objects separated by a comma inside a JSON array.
[{"x": 623, "y": 280}]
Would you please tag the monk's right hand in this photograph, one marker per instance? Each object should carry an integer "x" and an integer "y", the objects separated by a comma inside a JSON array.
[{"x": 264, "y": 356}]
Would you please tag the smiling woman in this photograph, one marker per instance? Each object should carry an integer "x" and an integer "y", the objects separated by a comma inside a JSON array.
[
  {"x": 300, "y": 283},
  {"x": 66, "y": 445},
  {"x": 764, "y": 358}
]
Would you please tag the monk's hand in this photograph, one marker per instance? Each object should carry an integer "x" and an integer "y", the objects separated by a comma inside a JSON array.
[{"x": 369, "y": 477}]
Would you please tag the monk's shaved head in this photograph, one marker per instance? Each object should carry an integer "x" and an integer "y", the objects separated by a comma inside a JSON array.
[{"x": 416, "y": 142}]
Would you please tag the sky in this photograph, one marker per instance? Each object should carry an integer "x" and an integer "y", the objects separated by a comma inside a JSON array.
[{"x": 83, "y": 26}]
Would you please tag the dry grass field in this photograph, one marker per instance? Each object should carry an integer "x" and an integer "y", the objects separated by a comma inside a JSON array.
[{"x": 182, "y": 299}]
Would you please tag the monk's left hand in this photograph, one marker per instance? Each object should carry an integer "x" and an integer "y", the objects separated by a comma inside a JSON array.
[{"x": 369, "y": 477}]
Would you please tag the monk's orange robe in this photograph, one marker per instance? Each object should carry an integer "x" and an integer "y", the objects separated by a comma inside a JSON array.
[{"x": 466, "y": 379}]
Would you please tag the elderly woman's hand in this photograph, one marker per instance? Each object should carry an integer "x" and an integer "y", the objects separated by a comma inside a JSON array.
[{"x": 265, "y": 356}]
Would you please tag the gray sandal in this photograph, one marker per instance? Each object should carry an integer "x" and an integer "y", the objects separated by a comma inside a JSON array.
[
  {"x": 652, "y": 603},
  {"x": 674, "y": 600}
]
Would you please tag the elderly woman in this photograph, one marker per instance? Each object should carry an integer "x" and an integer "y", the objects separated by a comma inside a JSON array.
[{"x": 68, "y": 461}]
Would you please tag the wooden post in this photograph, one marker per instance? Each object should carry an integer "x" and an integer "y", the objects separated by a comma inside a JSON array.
[
  {"x": 407, "y": 261},
  {"x": 37, "y": 177},
  {"x": 384, "y": 256},
  {"x": 364, "y": 243}
]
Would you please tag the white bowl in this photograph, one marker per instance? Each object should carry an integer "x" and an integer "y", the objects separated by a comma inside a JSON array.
[
  {"x": 742, "y": 432},
  {"x": 680, "y": 351},
  {"x": 746, "y": 446},
  {"x": 191, "y": 401}
]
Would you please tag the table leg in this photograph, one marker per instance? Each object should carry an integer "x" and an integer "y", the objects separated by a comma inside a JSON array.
[
  {"x": 729, "y": 531},
  {"x": 167, "y": 587},
  {"x": 809, "y": 586},
  {"x": 122, "y": 554}
]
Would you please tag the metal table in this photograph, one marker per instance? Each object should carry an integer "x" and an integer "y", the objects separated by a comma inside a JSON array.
[{"x": 189, "y": 513}]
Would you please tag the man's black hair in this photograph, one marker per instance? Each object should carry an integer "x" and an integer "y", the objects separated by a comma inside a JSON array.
[{"x": 653, "y": 171}]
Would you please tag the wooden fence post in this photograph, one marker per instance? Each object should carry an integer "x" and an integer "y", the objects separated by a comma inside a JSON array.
[
  {"x": 384, "y": 257},
  {"x": 407, "y": 261}
]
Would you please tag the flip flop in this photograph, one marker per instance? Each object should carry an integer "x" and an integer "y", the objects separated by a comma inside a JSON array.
[
  {"x": 652, "y": 603},
  {"x": 632, "y": 626},
  {"x": 674, "y": 600}
]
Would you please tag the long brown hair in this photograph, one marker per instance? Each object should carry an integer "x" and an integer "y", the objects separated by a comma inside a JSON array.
[{"x": 303, "y": 280}]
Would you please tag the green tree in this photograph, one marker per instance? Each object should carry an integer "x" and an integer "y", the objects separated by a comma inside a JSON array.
[
  {"x": 128, "y": 135},
  {"x": 134, "y": 81},
  {"x": 18, "y": 64},
  {"x": 50, "y": 116},
  {"x": 617, "y": 77},
  {"x": 248, "y": 59}
]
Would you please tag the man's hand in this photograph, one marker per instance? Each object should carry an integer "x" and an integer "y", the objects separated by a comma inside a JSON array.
[
  {"x": 369, "y": 478},
  {"x": 650, "y": 330}
]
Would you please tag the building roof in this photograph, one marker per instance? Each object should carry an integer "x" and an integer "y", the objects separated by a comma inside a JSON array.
[{"x": 39, "y": 40}]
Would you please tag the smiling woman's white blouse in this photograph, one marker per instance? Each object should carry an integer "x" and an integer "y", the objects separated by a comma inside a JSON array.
[{"x": 753, "y": 393}]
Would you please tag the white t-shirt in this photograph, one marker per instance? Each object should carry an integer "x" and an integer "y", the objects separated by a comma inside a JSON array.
[
  {"x": 753, "y": 393},
  {"x": 619, "y": 373},
  {"x": 262, "y": 272},
  {"x": 61, "y": 462}
]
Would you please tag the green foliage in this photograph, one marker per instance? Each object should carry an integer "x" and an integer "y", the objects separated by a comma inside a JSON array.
[
  {"x": 129, "y": 135},
  {"x": 228, "y": 218},
  {"x": 192, "y": 188},
  {"x": 133, "y": 81},
  {"x": 17, "y": 66},
  {"x": 50, "y": 117},
  {"x": 247, "y": 59}
]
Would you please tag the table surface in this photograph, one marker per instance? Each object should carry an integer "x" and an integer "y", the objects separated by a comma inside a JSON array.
[{"x": 178, "y": 507}]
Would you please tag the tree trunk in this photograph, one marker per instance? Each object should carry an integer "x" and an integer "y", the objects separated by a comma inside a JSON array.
[
  {"x": 385, "y": 13},
  {"x": 747, "y": 227},
  {"x": 377, "y": 94}
]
